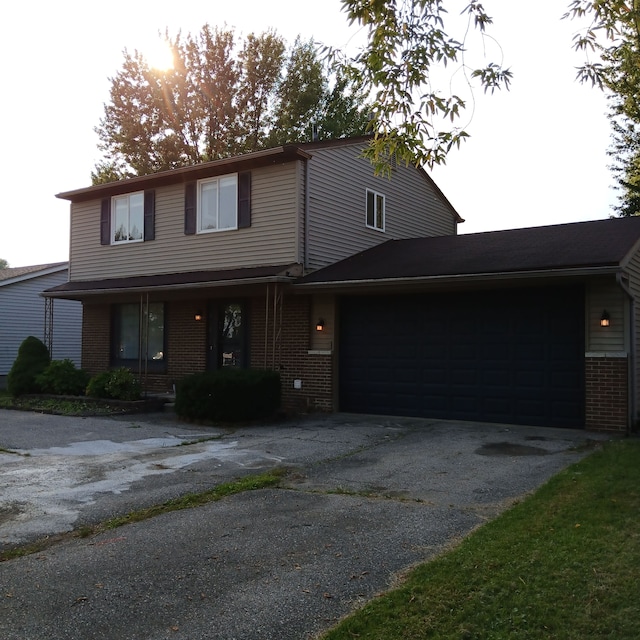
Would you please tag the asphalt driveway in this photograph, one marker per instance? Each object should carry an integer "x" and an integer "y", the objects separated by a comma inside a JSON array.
[{"x": 366, "y": 497}]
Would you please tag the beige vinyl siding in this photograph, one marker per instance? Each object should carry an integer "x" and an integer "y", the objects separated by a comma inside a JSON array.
[
  {"x": 273, "y": 237},
  {"x": 633, "y": 270},
  {"x": 606, "y": 294},
  {"x": 22, "y": 310},
  {"x": 338, "y": 181}
]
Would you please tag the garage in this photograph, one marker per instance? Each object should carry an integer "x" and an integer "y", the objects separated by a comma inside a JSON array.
[{"x": 512, "y": 356}]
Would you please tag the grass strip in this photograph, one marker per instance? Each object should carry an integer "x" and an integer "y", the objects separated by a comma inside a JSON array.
[
  {"x": 188, "y": 501},
  {"x": 563, "y": 563}
]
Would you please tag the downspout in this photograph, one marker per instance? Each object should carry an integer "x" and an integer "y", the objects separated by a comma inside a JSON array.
[
  {"x": 305, "y": 245},
  {"x": 632, "y": 350}
]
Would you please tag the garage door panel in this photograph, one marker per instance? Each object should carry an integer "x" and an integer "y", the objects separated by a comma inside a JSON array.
[{"x": 492, "y": 356}]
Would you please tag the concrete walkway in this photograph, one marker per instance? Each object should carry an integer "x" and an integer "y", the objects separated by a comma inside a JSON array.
[{"x": 366, "y": 498}]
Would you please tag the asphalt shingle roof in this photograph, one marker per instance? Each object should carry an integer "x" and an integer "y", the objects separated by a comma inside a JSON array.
[
  {"x": 598, "y": 243},
  {"x": 16, "y": 272}
]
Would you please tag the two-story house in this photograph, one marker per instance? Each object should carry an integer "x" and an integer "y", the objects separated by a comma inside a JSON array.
[{"x": 356, "y": 288}]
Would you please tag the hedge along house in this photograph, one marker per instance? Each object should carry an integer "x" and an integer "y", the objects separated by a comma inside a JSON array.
[
  {"x": 530, "y": 326},
  {"x": 194, "y": 269}
]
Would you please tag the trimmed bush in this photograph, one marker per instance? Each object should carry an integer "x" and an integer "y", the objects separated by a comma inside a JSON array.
[
  {"x": 229, "y": 395},
  {"x": 61, "y": 377},
  {"x": 33, "y": 358},
  {"x": 119, "y": 384}
]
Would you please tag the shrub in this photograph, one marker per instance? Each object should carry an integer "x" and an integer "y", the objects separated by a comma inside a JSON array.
[
  {"x": 62, "y": 378},
  {"x": 230, "y": 395},
  {"x": 97, "y": 386},
  {"x": 119, "y": 384},
  {"x": 33, "y": 358}
]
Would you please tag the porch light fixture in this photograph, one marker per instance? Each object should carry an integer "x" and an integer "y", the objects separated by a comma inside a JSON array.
[
  {"x": 198, "y": 316},
  {"x": 605, "y": 319},
  {"x": 320, "y": 325}
]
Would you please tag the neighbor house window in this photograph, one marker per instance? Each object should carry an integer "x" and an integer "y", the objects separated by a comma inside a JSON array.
[
  {"x": 138, "y": 336},
  {"x": 218, "y": 203},
  {"x": 375, "y": 210},
  {"x": 127, "y": 218}
]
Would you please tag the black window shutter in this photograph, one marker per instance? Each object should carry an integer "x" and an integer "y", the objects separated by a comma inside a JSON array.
[
  {"x": 244, "y": 199},
  {"x": 149, "y": 215},
  {"x": 105, "y": 221},
  {"x": 190, "y": 208}
]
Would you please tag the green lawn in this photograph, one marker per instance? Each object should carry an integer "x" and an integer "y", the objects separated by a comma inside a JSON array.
[{"x": 564, "y": 563}]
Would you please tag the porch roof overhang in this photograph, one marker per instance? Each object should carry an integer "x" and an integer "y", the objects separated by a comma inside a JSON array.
[
  {"x": 569, "y": 251},
  {"x": 193, "y": 280}
]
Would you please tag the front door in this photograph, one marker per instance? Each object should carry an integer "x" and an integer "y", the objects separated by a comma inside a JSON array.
[{"x": 227, "y": 335}]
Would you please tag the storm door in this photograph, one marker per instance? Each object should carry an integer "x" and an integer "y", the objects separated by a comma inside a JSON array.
[{"x": 227, "y": 335}]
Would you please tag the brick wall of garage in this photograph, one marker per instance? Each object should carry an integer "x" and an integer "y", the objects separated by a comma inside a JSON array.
[{"x": 607, "y": 393}]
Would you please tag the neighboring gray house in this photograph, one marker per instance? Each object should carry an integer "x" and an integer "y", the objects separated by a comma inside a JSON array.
[
  {"x": 23, "y": 313},
  {"x": 358, "y": 290}
]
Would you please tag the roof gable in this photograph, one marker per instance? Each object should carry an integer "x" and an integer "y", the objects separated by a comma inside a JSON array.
[{"x": 11, "y": 275}]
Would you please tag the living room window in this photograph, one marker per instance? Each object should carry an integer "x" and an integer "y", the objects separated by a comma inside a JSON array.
[
  {"x": 375, "y": 210},
  {"x": 218, "y": 203},
  {"x": 138, "y": 336},
  {"x": 127, "y": 218}
]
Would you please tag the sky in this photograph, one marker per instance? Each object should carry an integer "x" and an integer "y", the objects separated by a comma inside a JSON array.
[{"x": 536, "y": 154}]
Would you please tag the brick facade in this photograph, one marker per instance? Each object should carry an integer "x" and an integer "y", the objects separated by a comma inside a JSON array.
[
  {"x": 186, "y": 341},
  {"x": 606, "y": 386},
  {"x": 606, "y": 378}
]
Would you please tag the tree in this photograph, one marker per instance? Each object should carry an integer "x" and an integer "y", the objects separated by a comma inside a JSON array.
[
  {"x": 220, "y": 100},
  {"x": 261, "y": 60},
  {"x": 407, "y": 48},
  {"x": 612, "y": 35},
  {"x": 3, "y": 264},
  {"x": 300, "y": 95}
]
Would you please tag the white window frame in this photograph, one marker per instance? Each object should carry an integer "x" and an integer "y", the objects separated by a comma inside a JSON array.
[
  {"x": 217, "y": 181},
  {"x": 377, "y": 199},
  {"x": 114, "y": 226}
]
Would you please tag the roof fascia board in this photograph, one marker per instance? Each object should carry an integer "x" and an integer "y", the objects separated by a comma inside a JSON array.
[
  {"x": 478, "y": 277},
  {"x": 286, "y": 153}
]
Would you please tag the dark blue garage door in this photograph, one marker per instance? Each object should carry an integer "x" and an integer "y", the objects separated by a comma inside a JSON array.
[{"x": 511, "y": 356}]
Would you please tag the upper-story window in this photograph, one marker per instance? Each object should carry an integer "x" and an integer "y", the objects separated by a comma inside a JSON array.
[
  {"x": 127, "y": 218},
  {"x": 218, "y": 203},
  {"x": 375, "y": 210}
]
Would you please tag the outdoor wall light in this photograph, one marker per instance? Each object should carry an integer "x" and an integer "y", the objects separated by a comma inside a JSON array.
[
  {"x": 605, "y": 319},
  {"x": 320, "y": 325},
  {"x": 198, "y": 316}
]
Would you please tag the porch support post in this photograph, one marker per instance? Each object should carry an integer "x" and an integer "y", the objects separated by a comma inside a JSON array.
[{"x": 48, "y": 325}]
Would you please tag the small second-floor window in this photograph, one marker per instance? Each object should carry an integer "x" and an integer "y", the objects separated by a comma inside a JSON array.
[
  {"x": 375, "y": 210},
  {"x": 127, "y": 218},
  {"x": 218, "y": 203}
]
